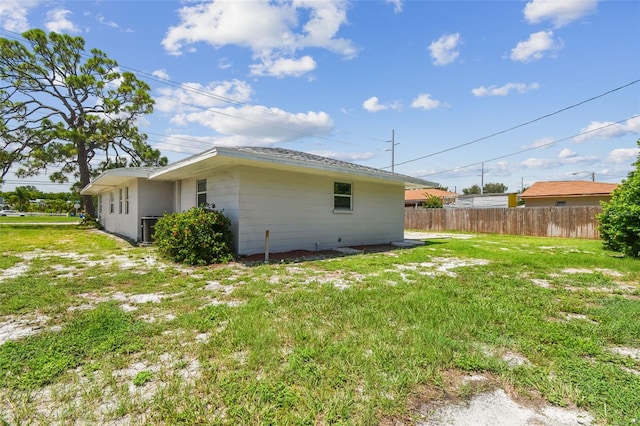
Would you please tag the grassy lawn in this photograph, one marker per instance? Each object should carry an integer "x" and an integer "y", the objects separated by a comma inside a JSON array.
[
  {"x": 37, "y": 219},
  {"x": 106, "y": 332}
]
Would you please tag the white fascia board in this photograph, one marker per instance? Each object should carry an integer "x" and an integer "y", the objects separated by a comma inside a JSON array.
[
  {"x": 280, "y": 162},
  {"x": 115, "y": 177}
]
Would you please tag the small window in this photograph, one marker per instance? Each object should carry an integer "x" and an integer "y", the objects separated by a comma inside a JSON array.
[
  {"x": 111, "y": 203},
  {"x": 126, "y": 200},
  {"x": 100, "y": 204},
  {"x": 561, "y": 203},
  {"x": 342, "y": 196},
  {"x": 201, "y": 192},
  {"x": 120, "y": 200}
]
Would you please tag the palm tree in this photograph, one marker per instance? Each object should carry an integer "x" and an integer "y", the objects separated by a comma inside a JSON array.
[{"x": 21, "y": 195}]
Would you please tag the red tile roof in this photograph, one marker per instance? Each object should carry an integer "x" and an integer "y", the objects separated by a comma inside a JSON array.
[
  {"x": 568, "y": 188},
  {"x": 419, "y": 194}
]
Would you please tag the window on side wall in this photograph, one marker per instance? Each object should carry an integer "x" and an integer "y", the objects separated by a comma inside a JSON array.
[
  {"x": 120, "y": 200},
  {"x": 561, "y": 203},
  {"x": 201, "y": 192},
  {"x": 342, "y": 197},
  {"x": 111, "y": 202},
  {"x": 126, "y": 200}
]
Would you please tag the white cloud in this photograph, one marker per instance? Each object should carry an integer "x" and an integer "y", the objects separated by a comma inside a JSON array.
[
  {"x": 271, "y": 30},
  {"x": 283, "y": 67},
  {"x": 535, "y": 47},
  {"x": 224, "y": 63},
  {"x": 373, "y": 105},
  {"x": 345, "y": 156},
  {"x": 623, "y": 155},
  {"x": 504, "y": 90},
  {"x": 186, "y": 144},
  {"x": 608, "y": 130},
  {"x": 13, "y": 14},
  {"x": 224, "y": 108},
  {"x": 567, "y": 153},
  {"x": 444, "y": 50},
  {"x": 397, "y": 5},
  {"x": 424, "y": 101},
  {"x": 57, "y": 20},
  {"x": 560, "y": 12},
  {"x": 195, "y": 96},
  {"x": 540, "y": 143},
  {"x": 263, "y": 126},
  {"x": 161, "y": 74}
]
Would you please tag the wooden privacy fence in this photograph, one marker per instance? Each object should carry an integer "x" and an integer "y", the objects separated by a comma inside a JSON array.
[{"x": 568, "y": 222}]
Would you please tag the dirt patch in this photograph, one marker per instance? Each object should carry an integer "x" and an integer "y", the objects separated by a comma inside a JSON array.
[
  {"x": 13, "y": 328},
  {"x": 481, "y": 400},
  {"x": 441, "y": 266}
]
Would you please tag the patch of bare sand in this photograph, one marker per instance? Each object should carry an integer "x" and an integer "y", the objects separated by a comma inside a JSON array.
[
  {"x": 13, "y": 327},
  {"x": 490, "y": 404}
]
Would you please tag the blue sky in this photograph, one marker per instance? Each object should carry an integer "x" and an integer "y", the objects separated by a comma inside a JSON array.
[{"x": 336, "y": 77}]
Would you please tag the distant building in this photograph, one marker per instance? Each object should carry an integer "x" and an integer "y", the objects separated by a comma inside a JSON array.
[
  {"x": 416, "y": 197},
  {"x": 567, "y": 193},
  {"x": 485, "y": 201}
]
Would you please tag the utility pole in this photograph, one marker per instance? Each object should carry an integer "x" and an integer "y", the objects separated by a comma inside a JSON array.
[
  {"x": 393, "y": 150},
  {"x": 482, "y": 180}
]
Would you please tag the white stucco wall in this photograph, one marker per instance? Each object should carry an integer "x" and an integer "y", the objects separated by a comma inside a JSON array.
[
  {"x": 146, "y": 198},
  {"x": 297, "y": 209},
  {"x": 222, "y": 191}
]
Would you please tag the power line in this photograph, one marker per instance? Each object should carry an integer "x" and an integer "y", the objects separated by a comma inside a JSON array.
[
  {"x": 263, "y": 110},
  {"x": 521, "y": 124},
  {"x": 532, "y": 148}
]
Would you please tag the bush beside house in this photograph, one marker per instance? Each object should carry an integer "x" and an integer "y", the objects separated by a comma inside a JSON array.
[{"x": 198, "y": 236}]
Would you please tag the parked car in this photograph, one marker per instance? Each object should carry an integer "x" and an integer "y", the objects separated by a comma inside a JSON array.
[{"x": 11, "y": 213}]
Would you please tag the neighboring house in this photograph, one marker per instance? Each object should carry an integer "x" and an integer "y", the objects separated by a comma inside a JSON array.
[
  {"x": 416, "y": 197},
  {"x": 567, "y": 193},
  {"x": 500, "y": 200},
  {"x": 305, "y": 201}
]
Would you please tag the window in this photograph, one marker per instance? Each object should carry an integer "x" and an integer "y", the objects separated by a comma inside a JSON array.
[
  {"x": 342, "y": 197},
  {"x": 111, "y": 201},
  {"x": 126, "y": 200},
  {"x": 561, "y": 203},
  {"x": 201, "y": 192},
  {"x": 120, "y": 200}
]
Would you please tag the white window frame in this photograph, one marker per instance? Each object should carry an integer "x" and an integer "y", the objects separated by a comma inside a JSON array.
[
  {"x": 112, "y": 200},
  {"x": 126, "y": 200},
  {"x": 200, "y": 192},
  {"x": 119, "y": 200},
  {"x": 340, "y": 195}
]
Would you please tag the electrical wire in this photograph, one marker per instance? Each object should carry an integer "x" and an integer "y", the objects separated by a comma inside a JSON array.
[{"x": 531, "y": 148}]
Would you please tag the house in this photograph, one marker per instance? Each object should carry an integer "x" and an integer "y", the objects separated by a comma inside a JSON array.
[
  {"x": 567, "y": 193},
  {"x": 305, "y": 201},
  {"x": 416, "y": 197},
  {"x": 485, "y": 201}
]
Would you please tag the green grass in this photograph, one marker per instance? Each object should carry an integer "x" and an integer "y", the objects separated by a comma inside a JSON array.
[
  {"x": 38, "y": 219},
  {"x": 340, "y": 341}
]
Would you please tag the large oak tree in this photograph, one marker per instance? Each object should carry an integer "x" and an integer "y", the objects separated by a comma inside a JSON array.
[{"x": 70, "y": 111}]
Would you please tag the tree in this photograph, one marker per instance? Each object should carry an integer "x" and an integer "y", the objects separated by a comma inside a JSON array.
[
  {"x": 494, "y": 188},
  {"x": 619, "y": 222},
  {"x": 21, "y": 196},
  {"x": 475, "y": 189},
  {"x": 432, "y": 202},
  {"x": 61, "y": 107}
]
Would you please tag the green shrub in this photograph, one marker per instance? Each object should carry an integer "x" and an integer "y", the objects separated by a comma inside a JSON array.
[
  {"x": 619, "y": 222},
  {"x": 432, "y": 202},
  {"x": 199, "y": 236}
]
